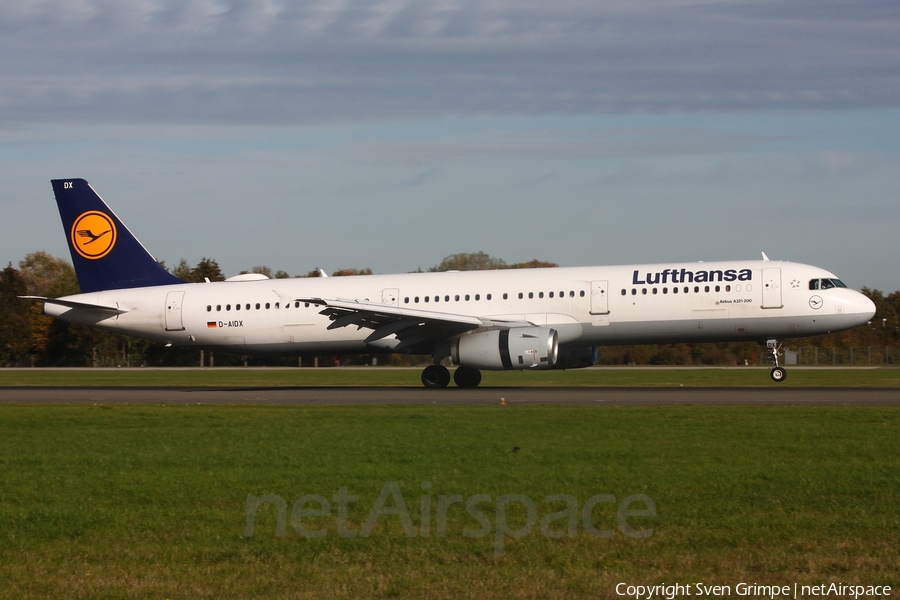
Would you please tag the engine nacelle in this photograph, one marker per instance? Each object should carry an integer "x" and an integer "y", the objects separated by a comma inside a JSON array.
[
  {"x": 577, "y": 357},
  {"x": 516, "y": 348}
]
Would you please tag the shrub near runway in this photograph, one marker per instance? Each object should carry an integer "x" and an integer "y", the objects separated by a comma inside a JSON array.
[{"x": 150, "y": 501}]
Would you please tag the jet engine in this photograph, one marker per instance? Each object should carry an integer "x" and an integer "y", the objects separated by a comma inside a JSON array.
[
  {"x": 577, "y": 357},
  {"x": 516, "y": 348}
]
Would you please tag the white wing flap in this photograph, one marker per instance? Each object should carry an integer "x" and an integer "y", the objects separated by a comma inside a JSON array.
[{"x": 411, "y": 326}]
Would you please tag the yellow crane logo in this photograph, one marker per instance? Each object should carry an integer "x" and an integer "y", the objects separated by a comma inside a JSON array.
[{"x": 93, "y": 234}]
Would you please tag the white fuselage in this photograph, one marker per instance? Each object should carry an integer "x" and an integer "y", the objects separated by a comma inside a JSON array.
[{"x": 587, "y": 306}]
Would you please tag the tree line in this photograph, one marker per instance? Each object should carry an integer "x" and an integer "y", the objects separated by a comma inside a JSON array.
[{"x": 29, "y": 338}]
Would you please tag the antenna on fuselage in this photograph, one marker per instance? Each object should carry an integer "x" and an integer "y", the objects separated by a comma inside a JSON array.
[{"x": 766, "y": 258}]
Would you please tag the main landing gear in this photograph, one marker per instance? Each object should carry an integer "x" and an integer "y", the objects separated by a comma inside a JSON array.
[
  {"x": 438, "y": 376},
  {"x": 778, "y": 373}
]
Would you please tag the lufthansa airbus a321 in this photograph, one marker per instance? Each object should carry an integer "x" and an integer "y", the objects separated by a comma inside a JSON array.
[{"x": 508, "y": 319}]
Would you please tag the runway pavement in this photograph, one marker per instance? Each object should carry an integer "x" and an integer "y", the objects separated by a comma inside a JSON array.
[{"x": 451, "y": 395}]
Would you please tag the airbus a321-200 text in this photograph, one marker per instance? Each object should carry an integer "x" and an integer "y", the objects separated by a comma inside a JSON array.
[{"x": 476, "y": 320}]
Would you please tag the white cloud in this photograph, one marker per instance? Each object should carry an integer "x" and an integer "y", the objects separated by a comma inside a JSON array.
[{"x": 262, "y": 61}]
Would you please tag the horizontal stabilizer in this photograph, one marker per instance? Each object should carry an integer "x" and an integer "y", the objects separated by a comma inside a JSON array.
[{"x": 97, "y": 308}]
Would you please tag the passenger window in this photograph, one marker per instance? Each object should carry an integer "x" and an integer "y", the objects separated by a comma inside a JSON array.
[
  {"x": 268, "y": 306},
  {"x": 296, "y": 305},
  {"x": 581, "y": 293},
  {"x": 257, "y": 306},
  {"x": 446, "y": 298},
  {"x": 644, "y": 291},
  {"x": 505, "y": 295},
  {"x": 696, "y": 289},
  {"x": 674, "y": 290},
  {"x": 427, "y": 298},
  {"x": 237, "y": 307},
  {"x": 278, "y": 305},
  {"x": 655, "y": 290},
  {"x": 209, "y": 308},
  {"x": 686, "y": 289},
  {"x": 416, "y": 300},
  {"x": 477, "y": 297},
  {"x": 706, "y": 288},
  {"x": 634, "y": 291},
  {"x": 540, "y": 294},
  {"x": 218, "y": 308},
  {"x": 406, "y": 300},
  {"x": 227, "y": 307},
  {"x": 530, "y": 295},
  {"x": 456, "y": 297},
  {"x": 727, "y": 288},
  {"x": 520, "y": 295},
  {"x": 665, "y": 290},
  {"x": 571, "y": 294},
  {"x": 551, "y": 293},
  {"x": 488, "y": 297},
  {"x": 624, "y": 291},
  {"x": 717, "y": 288},
  {"x": 467, "y": 297}
]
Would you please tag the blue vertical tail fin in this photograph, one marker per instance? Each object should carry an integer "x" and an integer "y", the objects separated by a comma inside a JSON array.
[{"x": 105, "y": 254}]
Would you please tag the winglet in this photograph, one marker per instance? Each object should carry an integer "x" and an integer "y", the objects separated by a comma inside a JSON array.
[{"x": 105, "y": 254}]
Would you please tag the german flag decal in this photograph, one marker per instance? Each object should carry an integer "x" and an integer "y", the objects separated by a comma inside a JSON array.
[{"x": 211, "y": 324}]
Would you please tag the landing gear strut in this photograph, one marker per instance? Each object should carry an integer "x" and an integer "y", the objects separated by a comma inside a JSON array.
[
  {"x": 778, "y": 373},
  {"x": 435, "y": 377}
]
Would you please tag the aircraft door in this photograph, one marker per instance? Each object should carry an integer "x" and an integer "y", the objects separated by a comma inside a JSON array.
[
  {"x": 390, "y": 296},
  {"x": 771, "y": 292},
  {"x": 599, "y": 298},
  {"x": 173, "y": 311}
]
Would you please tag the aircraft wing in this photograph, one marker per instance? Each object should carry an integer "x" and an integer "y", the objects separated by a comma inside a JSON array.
[
  {"x": 411, "y": 326},
  {"x": 98, "y": 308}
]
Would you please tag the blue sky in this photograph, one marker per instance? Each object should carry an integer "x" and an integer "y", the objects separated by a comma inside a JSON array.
[{"x": 391, "y": 134}]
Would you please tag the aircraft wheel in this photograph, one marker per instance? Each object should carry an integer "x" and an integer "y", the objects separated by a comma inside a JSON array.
[
  {"x": 467, "y": 377},
  {"x": 435, "y": 377},
  {"x": 778, "y": 374}
]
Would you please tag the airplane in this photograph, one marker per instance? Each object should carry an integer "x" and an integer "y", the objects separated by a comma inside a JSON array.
[{"x": 550, "y": 318}]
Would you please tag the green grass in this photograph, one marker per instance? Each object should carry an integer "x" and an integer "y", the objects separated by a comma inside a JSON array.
[
  {"x": 595, "y": 377},
  {"x": 117, "y": 501}
]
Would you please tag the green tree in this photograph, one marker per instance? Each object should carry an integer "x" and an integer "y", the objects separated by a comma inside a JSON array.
[
  {"x": 533, "y": 264},
  {"x": 469, "y": 261},
  {"x": 350, "y": 272},
  {"x": 207, "y": 268},
  {"x": 182, "y": 270},
  {"x": 481, "y": 261},
  {"x": 15, "y": 324},
  {"x": 47, "y": 275}
]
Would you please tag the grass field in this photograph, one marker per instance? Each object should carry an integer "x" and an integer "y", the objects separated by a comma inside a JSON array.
[
  {"x": 348, "y": 376},
  {"x": 151, "y": 501}
]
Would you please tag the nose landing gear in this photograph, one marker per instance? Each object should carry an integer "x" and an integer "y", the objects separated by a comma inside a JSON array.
[{"x": 778, "y": 373}]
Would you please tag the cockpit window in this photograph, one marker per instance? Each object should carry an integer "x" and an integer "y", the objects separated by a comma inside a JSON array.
[{"x": 825, "y": 284}]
